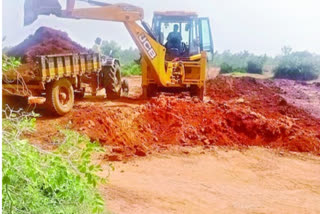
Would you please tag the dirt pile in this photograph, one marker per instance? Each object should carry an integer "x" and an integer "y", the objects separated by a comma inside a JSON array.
[
  {"x": 241, "y": 112},
  {"x": 233, "y": 123},
  {"x": 263, "y": 96},
  {"x": 43, "y": 42},
  {"x": 303, "y": 95}
]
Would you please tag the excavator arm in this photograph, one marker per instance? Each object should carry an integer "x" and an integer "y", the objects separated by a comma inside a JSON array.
[{"x": 153, "y": 53}]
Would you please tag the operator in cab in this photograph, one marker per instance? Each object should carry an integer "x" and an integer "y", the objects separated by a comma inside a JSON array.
[{"x": 174, "y": 39}]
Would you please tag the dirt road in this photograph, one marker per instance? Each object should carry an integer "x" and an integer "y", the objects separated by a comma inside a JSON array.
[{"x": 220, "y": 181}]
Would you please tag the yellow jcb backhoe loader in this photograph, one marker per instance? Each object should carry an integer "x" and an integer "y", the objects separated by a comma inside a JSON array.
[{"x": 174, "y": 52}]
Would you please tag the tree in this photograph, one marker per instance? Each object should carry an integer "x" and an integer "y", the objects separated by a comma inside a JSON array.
[
  {"x": 108, "y": 46},
  {"x": 126, "y": 56},
  {"x": 286, "y": 50}
]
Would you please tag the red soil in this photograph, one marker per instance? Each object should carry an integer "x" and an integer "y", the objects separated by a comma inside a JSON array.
[
  {"x": 45, "y": 41},
  {"x": 243, "y": 112}
]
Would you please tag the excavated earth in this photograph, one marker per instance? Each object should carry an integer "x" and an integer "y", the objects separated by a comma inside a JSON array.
[
  {"x": 237, "y": 112},
  {"x": 44, "y": 41}
]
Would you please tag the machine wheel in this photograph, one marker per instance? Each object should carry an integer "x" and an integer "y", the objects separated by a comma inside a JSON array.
[
  {"x": 112, "y": 82},
  {"x": 60, "y": 96},
  {"x": 149, "y": 91},
  {"x": 196, "y": 91}
]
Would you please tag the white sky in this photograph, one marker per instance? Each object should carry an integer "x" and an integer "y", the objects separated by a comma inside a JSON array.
[{"x": 259, "y": 26}]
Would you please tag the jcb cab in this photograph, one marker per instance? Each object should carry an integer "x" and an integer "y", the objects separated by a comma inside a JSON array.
[{"x": 188, "y": 44}]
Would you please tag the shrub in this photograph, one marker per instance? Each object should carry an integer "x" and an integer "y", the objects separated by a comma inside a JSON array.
[
  {"x": 131, "y": 69},
  {"x": 10, "y": 63},
  {"x": 225, "y": 68},
  {"x": 37, "y": 181},
  {"x": 241, "y": 62},
  {"x": 255, "y": 67},
  {"x": 298, "y": 66}
]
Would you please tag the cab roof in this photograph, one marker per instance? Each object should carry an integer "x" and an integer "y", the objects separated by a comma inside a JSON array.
[{"x": 175, "y": 13}]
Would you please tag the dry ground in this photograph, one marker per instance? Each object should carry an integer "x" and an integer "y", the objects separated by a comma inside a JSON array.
[
  {"x": 196, "y": 180},
  {"x": 220, "y": 181}
]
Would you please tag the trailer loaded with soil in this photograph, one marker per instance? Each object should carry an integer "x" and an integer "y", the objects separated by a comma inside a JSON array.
[
  {"x": 55, "y": 80},
  {"x": 55, "y": 69}
]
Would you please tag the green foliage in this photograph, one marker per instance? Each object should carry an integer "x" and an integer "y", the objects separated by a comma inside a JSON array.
[
  {"x": 38, "y": 181},
  {"x": 241, "y": 62},
  {"x": 131, "y": 69},
  {"x": 297, "y": 65},
  {"x": 225, "y": 68},
  {"x": 255, "y": 66},
  {"x": 9, "y": 63}
]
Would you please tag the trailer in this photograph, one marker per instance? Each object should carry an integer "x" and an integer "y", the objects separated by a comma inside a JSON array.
[{"x": 59, "y": 78}]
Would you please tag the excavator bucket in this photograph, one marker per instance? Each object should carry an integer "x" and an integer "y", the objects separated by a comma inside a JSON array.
[{"x": 33, "y": 8}]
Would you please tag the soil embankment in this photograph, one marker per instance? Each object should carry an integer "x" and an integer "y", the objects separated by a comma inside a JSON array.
[{"x": 238, "y": 112}]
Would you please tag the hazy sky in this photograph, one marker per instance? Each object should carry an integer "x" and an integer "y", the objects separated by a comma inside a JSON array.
[{"x": 259, "y": 26}]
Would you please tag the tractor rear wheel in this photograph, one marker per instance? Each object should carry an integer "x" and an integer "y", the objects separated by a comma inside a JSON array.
[
  {"x": 60, "y": 96},
  {"x": 196, "y": 91},
  {"x": 112, "y": 81}
]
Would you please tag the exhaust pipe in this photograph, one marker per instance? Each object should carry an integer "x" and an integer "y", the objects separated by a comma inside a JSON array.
[{"x": 33, "y": 8}]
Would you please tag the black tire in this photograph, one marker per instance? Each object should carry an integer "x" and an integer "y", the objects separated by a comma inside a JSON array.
[
  {"x": 112, "y": 81},
  {"x": 60, "y": 96},
  {"x": 196, "y": 91}
]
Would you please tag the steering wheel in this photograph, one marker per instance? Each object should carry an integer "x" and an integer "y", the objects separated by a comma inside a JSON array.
[{"x": 184, "y": 47}]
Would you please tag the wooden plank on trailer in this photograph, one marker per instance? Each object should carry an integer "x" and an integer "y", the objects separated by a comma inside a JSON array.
[
  {"x": 67, "y": 65},
  {"x": 51, "y": 67},
  {"x": 60, "y": 67},
  {"x": 75, "y": 64}
]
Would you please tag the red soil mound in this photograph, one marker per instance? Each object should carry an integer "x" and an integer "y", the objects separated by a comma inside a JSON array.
[
  {"x": 43, "y": 42},
  {"x": 261, "y": 95},
  {"x": 244, "y": 112}
]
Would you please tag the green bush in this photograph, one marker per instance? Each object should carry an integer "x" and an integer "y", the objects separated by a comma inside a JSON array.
[
  {"x": 131, "y": 69},
  {"x": 254, "y": 67},
  {"x": 38, "y": 181},
  {"x": 241, "y": 62},
  {"x": 298, "y": 66},
  {"x": 225, "y": 68}
]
